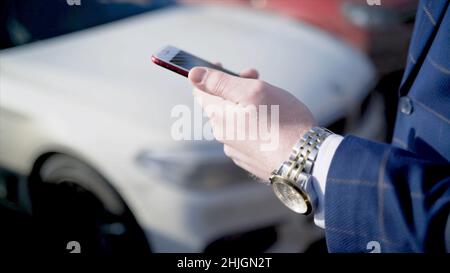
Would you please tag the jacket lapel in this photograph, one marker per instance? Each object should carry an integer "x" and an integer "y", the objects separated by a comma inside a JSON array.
[{"x": 428, "y": 19}]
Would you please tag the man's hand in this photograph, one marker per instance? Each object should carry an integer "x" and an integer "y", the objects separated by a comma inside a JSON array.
[{"x": 220, "y": 90}]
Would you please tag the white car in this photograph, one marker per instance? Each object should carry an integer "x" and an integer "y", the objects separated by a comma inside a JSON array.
[{"x": 85, "y": 130}]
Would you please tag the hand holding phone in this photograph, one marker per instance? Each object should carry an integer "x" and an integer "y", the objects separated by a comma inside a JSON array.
[{"x": 182, "y": 62}]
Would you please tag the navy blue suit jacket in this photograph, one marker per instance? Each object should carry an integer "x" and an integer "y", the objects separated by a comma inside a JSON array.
[{"x": 398, "y": 194}]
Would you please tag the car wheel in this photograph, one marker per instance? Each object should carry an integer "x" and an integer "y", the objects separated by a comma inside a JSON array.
[{"x": 76, "y": 210}]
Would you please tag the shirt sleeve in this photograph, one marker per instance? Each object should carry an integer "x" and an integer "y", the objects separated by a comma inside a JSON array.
[{"x": 316, "y": 189}]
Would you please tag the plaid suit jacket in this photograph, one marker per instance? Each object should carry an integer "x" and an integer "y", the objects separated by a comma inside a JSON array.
[{"x": 397, "y": 196}]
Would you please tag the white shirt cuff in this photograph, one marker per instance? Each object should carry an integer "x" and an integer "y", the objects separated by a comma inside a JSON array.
[{"x": 319, "y": 177}]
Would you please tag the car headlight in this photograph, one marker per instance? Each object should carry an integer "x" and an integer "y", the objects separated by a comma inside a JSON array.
[{"x": 202, "y": 167}]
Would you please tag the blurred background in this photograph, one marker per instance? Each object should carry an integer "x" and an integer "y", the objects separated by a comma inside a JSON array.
[{"x": 86, "y": 153}]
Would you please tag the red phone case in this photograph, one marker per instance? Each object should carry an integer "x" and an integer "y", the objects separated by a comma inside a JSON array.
[{"x": 169, "y": 66}]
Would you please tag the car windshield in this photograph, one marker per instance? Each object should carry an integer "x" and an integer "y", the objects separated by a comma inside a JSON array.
[{"x": 26, "y": 21}]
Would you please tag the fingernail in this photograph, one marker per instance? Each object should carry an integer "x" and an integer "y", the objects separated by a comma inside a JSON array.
[{"x": 197, "y": 75}]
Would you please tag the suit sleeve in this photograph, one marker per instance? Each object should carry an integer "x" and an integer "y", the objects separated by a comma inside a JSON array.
[{"x": 378, "y": 192}]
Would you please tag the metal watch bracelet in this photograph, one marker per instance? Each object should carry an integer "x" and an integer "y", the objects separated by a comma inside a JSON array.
[
  {"x": 295, "y": 172},
  {"x": 305, "y": 152}
]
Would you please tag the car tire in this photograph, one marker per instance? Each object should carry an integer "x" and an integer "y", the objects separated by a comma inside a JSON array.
[{"x": 76, "y": 210}]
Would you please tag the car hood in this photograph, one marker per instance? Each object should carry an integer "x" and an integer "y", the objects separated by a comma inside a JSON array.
[{"x": 108, "y": 67}]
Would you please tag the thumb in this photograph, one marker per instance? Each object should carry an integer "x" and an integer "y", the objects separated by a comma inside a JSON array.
[{"x": 218, "y": 83}]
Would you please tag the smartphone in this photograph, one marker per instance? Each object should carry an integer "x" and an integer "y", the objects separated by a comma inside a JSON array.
[{"x": 182, "y": 62}]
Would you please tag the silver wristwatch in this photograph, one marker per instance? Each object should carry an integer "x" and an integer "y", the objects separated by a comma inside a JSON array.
[{"x": 289, "y": 181}]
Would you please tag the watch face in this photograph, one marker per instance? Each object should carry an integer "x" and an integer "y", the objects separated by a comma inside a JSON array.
[{"x": 292, "y": 197}]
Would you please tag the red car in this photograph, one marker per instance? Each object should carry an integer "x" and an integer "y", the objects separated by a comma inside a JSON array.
[{"x": 382, "y": 31}]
